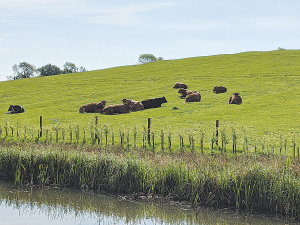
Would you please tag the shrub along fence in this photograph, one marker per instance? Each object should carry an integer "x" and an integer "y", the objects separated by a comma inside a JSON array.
[{"x": 213, "y": 139}]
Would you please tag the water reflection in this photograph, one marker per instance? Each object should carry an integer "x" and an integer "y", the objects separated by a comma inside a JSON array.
[{"x": 53, "y": 206}]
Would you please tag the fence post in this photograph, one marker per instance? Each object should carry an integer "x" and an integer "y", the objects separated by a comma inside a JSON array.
[
  {"x": 217, "y": 131},
  {"x": 96, "y": 136},
  {"x": 149, "y": 130},
  {"x": 41, "y": 126}
]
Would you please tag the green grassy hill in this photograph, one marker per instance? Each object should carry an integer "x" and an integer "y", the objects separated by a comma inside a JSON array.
[{"x": 267, "y": 81}]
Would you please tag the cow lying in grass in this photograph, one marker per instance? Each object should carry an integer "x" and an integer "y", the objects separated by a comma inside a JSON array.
[
  {"x": 193, "y": 97},
  {"x": 180, "y": 85},
  {"x": 184, "y": 92},
  {"x": 235, "y": 99},
  {"x": 220, "y": 89},
  {"x": 117, "y": 109},
  {"x": 15, "y": 109},
  {"x": 134, "y": 105},
  {"x": 153, "y": 103},
  {"x": 93, "y": 107}
]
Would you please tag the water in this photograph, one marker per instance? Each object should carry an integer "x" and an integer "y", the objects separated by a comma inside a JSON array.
[{"x": 51, "y": 206}]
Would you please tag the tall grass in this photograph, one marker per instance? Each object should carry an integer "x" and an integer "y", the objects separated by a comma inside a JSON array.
[{"x": 251, "y": 182}]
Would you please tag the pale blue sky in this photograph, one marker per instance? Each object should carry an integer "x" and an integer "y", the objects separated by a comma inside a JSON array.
[{"x": 100, "y": 34}]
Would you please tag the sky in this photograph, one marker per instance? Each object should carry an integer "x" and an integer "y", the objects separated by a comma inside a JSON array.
[{"x": 98, "y": 34}]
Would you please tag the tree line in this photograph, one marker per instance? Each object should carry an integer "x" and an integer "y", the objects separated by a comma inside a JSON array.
[
  {"x": 147, "y": 58},
  {"x": 27, "y": 70}
]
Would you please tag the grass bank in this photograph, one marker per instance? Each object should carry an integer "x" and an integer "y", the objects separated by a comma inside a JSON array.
[
  {"x": 256, "y": 182},
  {"x": 268, "y": 82}
]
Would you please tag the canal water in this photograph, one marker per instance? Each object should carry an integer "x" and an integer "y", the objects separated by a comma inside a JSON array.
[{"x": 43, "y": 206}]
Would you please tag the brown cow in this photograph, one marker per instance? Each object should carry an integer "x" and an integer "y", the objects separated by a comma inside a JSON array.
[
  {"x": 194, "y": 97},
  {"x": 235, "y": 99},
  {"x": 184, "y": 92},
  {"x": 93, "y": 107},
  {"x": 117, "y": 109},
  {"x": 219, "y": 89},
  {"x": 134, "y": 105},
  {"x": 180, "y": 85}
]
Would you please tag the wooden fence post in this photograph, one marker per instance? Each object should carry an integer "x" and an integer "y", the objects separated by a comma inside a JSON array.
[
  {"x": 41, "y": 126},
  {"x": 149, "y": 130},
  {"x": 96, "y": 136},
  {"x": 217, "y": 131}
]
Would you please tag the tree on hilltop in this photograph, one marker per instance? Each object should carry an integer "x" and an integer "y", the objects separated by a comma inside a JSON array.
[
  {"x": 23, "y": 70},
  {"x": 49, "y": 70},
  {"x": 26, "y": 70},
  {"x": 147, "y": 58},
  {"x": 71, "y": 68}
]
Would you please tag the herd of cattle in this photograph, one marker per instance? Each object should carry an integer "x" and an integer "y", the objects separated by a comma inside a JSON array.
[
  {"x": 194, "y": 96},
  {"x": 127, "y": 106},
  {"x": 132, "y": 105}
]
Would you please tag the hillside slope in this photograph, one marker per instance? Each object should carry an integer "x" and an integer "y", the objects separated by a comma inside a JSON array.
[{"x": 267, "y": 81}]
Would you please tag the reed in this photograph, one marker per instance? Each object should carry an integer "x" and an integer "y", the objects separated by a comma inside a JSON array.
[{"x": 253, "y": 182}]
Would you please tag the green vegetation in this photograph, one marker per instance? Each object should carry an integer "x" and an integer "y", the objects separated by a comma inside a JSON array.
[
  {"x": 147, "y": 58},
  {"x": 25, "y": 70},
  {"x": 263, "y": 130},
  {"x": 267, "y": 81},
  {"x": 253, "y": 182}
]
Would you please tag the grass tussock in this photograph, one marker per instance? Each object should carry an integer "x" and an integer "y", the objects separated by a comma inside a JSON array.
[{"x": 253, "y": 182}]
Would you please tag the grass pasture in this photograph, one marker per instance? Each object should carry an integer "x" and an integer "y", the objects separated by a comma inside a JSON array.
[
  {"x": 267, "y": 81},
  {"x": 266, "y": 122}
]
